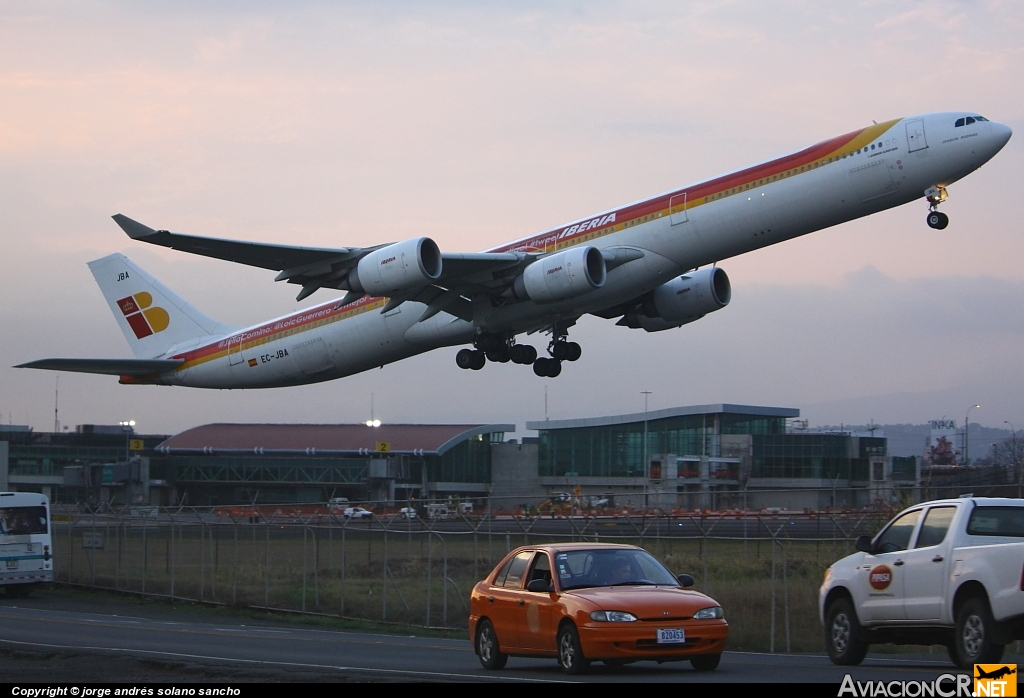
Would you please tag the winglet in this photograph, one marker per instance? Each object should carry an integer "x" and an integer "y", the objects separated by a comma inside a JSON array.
[{"x": 135, "y": 230}]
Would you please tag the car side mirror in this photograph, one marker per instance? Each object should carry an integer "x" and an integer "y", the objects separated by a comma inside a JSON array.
[
  {"x": 539, "y": 585},
  {"x": 686, "y": 580},
  {"x": 864, "y": 544}
]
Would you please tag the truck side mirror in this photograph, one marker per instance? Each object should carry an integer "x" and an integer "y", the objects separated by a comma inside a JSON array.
[
  {"x": 864, "y": 544},
  {"x": 686, "y": 580}
]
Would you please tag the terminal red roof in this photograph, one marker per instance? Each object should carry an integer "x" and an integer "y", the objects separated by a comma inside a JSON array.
[{"x": 325, "y": 438}]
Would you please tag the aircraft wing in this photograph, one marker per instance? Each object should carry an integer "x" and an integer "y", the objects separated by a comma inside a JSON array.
[
  {"x": 109, "y": 367},
  {"x": 463, "y": 275}
]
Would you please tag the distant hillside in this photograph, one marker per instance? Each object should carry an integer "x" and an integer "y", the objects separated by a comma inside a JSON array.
[{"x": 909, "y": 439}]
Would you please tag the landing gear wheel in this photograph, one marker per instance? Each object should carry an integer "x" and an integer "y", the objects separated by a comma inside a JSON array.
[
  {"x": 547, "y": 368},
  {"x": 937, "y": 220},
  {"x": 706, "y": 662},
  {"x": 972, "y": 639},
  {"x": 465, "y": 358},
  {"x": 843, "y": 634},
  {"x": 478, "y": 360},
  {"x": 574, "y": 351},
  {"x": 523, "y": 354},
  {"x": 560, "y": 351},
  {"x": 570, "y": 655},
  {"x": 498, "y": 355},
  {"x": 487, "y": 648}
]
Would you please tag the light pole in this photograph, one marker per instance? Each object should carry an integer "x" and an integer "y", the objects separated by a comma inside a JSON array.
[
  {"x": 128, "y": 426},
  {"x": 1016, "y": 468},
  {"x": 647, "y": 474},
  {"x": 967, "y": 448}
]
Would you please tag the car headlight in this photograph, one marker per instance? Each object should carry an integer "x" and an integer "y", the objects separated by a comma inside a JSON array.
[
  {"x": 709, "y": 613},
  {"x": 613, "y": 616}
]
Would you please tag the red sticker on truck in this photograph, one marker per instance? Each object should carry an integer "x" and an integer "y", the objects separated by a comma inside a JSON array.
[{"x": 880, "y": 578}]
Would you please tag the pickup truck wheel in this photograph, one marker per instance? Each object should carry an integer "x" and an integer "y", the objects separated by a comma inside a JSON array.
[
  {"x": 973, "y": 642},
  {"x": 843, "y": 635}
]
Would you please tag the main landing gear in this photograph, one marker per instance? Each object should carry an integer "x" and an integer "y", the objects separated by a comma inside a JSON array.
[
  {"x": 502, "y": 349},
  {"x": 936, "y": 195}
]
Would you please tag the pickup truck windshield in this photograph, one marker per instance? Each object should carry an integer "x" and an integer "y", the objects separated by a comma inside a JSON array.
[{"x": 996, "y": 521}]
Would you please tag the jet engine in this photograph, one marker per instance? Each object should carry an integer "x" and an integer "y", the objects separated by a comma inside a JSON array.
[
  {"x": 684, "y": 299},
  {"x": 561, "y": 276},
  {"x": 399, "y": 267}
]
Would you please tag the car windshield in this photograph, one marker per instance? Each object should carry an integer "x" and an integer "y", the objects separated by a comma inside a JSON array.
[{"x": 579, "y": 569}]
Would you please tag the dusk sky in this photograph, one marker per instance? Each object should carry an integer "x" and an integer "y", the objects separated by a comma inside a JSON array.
[{"x": 334, "y": 124}]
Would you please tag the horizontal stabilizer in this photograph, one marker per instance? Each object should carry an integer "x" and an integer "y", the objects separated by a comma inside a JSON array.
[{"x": 109, "y": 367}]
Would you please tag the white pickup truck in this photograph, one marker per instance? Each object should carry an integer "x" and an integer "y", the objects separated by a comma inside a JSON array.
[{"x": 946, "y": 572}]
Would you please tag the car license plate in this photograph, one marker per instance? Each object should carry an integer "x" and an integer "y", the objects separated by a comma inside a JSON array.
[
  {"x": 671, "y": 636},
  {"x": 12, "y": 564}
]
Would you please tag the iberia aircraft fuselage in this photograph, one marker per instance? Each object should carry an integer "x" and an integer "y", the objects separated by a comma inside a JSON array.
[{"x": 648, "y": 253}]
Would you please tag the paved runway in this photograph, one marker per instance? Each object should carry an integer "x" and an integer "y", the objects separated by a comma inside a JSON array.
[{"x": 29, "y": 625}]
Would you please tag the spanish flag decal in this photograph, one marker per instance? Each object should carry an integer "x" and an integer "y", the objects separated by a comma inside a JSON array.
[
  {"x": 252, "y": 362},
  {"x": 143, "y": 319}
]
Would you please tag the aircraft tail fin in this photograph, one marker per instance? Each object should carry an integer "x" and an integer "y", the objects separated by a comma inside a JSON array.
[{"x": 153, "y": 318}]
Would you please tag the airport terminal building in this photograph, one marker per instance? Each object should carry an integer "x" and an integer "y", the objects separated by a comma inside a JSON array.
[{"x": 717, "y": 456}]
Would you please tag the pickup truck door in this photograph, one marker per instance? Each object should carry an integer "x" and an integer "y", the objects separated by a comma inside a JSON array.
[
  {"x": 880, "y": 579},
  {"x": 926, "y": 566}
]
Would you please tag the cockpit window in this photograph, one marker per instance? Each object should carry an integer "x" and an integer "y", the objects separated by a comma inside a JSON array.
[{"x": 968, "y": 120}]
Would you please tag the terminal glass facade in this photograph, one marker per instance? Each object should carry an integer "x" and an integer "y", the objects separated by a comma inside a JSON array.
[
  {"x": 617, "y": 450},
  {"x": 818, "y": 456},
  {"x": 469, "y": 461}
]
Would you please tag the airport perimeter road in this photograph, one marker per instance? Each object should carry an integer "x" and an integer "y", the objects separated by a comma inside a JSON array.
[{"x": 212, "y": 651}]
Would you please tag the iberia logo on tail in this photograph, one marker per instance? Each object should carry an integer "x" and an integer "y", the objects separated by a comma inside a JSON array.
[{"x": 143, "y": 320}]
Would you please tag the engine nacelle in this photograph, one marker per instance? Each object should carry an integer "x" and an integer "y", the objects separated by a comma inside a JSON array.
[
  {"x": 561, "y": 276},
  {"x": 399, "y": 267},
  {"x": 684, "y": 299},
  {"x": 690, "y": 296}
]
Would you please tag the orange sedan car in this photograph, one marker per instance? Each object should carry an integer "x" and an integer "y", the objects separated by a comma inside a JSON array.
[{"x": 580, "y": 602}]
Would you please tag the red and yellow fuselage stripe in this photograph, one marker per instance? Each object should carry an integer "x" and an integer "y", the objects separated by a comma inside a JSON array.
[{"x": 690, "y": 198}]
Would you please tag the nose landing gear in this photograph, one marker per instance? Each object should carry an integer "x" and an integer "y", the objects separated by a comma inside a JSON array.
[{"x": 936, "y": 195}]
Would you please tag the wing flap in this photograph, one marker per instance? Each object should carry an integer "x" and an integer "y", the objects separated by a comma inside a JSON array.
[{"x": 109, "y": 367}]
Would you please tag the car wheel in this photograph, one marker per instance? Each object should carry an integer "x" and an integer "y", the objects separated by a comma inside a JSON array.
[
  {"x": 706, "y": 662},
  {"x": 487, "y": 647},
  {"x": 973, "y": 642},
  {"x": 570, "y": 654},
  {"x": 843, "y": 635}
]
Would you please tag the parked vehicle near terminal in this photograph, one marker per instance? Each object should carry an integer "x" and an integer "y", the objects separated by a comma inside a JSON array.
[
  {"x": 26, "y": 548},
  {"x": 407, "y": 513},
  {"x": 945, "y": 572},
  {"x": 613, "y": 603},
  {"x": 357, "y": 513}
]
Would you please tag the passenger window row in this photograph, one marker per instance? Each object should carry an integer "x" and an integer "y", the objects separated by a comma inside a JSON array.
[{"x": 790, "y": 173}]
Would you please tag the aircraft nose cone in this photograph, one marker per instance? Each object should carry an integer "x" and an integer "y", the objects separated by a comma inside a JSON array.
[{"x": 1002, "y": 133}]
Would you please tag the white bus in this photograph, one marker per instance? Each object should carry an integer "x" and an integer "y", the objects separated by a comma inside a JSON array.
[{"x": 26, "y": 550}]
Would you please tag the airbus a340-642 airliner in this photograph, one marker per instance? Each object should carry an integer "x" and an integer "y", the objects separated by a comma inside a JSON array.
[{"x": 650, "y": 264}]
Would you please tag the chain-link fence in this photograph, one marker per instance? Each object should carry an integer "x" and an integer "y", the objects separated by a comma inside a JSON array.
[{"x": 764, "y": 569}]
